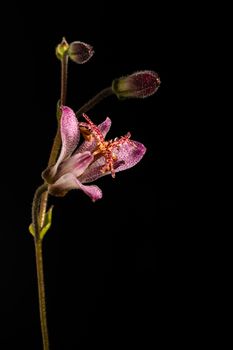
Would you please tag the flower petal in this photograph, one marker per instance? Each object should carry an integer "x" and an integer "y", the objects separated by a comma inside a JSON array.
[
  {"x": 90, "y": 145},
  {"x": 69, "y": 182},
  {"x": 94, "y": 171},
  {"x": 70, "y": 135},
  {"x": 93, "y": 191},
  {"x": 128, "y": 155},
  {"x": 69, "y": 132},
  {"x": 76, "y": 164},
  {"x": 105, "y": 126}
]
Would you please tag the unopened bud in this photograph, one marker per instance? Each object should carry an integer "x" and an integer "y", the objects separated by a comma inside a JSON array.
[
  {"x": 137, "y": 85},
  {"x": 80, "y": 52},
  {"x": 62, "y": 49}
]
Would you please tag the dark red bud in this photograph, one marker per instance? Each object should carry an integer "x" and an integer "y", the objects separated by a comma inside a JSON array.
[
  {"x": 138, "y": 85},
  {"x": 80, "y": 52}
]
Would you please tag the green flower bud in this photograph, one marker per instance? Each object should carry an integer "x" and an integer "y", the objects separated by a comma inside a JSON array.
[{"x": 62, "y": 49}]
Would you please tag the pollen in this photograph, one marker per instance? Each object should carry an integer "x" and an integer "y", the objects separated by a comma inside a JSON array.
[{"x": 104, "y": 148}]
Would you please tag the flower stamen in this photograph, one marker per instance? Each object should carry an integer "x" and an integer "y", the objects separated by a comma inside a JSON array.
[{"x": 104, "y": 148}]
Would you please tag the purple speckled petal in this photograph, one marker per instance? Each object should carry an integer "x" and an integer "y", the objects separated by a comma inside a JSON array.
[
  {"x": 94, "y": 171},
  {"x": 105, "y": 126},
  {"x": 93, "y": 191},
  {"x": 76, "y": 164},
  {"x": 127, "y": 156},
  {"x": 70, "y": 135},
  {"x": 90, "y": 145},
  {"x": 69, "y": 182}
]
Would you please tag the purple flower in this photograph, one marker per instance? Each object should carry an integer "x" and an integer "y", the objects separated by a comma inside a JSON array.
[{"x": 94, "y": 158}]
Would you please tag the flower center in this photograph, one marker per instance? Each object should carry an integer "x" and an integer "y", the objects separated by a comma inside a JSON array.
[{"x": 104, "y": 148}]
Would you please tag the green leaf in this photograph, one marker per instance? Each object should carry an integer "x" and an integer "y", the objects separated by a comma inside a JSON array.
[
  {"x": 31, "y": 230},
  {"x": 62, "y": 49},
  {"x": 58, "y": 113},
  {"x": 47, "y": 224}
]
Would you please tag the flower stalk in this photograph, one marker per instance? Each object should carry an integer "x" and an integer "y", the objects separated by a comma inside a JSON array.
[
  {"x": 57, "y": 140},
  {"x": 39, "y": 208},
  {"x": 39, "y": 265},
  {"x": 72, "y": 165},
  {"x": 41, "y": 292},
  {"x": 95, "y": 100}
]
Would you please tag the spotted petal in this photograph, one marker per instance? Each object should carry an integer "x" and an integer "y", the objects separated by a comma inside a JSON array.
[
  {"x": 93, "y": 191},
  {"x": 76, "y": 164},
  {"x": 69, "y": 134},
  {"x": 69, "y": 182},
  {"x": 128, "y": 155}
]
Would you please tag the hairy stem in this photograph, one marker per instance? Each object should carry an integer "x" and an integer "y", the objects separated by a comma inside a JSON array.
[
  {"x": 39, "y": 265},
  {"x": 41, "y": 292},
  {"x": 64, "y": 71},
  {"x": 39, "y": 208},
  {"x": 96, "y": 99},
  {"x": 57, "y": 140}
]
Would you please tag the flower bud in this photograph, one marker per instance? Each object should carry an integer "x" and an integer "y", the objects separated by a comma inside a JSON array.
[
  {"x": 62, "y": 49},
  {"x": 80, "y": 52},
  {"x": 138, "y": 85}
]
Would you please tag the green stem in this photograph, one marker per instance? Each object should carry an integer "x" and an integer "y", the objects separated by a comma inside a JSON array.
[
  {"x": 57, "y": 140},
  {"x": 96, "y": 99},
  {"x": 64, "y": 71},
  {"x": 41, "y": 292},
  {"x": 39, "y": 208},
  {"x": 39, "y": 265}
]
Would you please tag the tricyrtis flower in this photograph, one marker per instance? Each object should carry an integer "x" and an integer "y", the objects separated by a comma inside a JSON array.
[{"x": 94, "y": 158}]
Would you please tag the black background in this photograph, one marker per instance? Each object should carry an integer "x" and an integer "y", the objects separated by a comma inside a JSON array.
[{"x": 115, "y": 271}]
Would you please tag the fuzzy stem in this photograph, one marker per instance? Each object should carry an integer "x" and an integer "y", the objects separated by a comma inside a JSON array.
[
  {"x": 39, "y": 208},
  {"x": 39, "y": 265},
  {"x": 57, "y": 140},
  {"x": 96, "y": 99},
  {"x": 64, "y": 71},
  {"x": 41, "y": 292}
]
